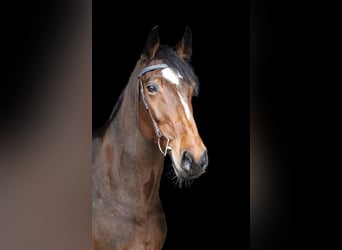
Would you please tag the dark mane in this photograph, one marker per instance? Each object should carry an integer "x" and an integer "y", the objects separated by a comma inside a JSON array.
[{"x": 171, "y": 58}]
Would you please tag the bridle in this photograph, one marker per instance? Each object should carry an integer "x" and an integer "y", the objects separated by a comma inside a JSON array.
[{"x": 155, "y": 125}]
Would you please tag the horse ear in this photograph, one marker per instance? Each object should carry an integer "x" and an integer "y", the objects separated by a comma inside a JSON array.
[
  {"x": 152, "y": 43},
  {"x": 184, "y": 46}
]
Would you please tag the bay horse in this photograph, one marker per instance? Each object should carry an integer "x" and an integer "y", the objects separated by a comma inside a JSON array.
[{"x": 152, "y": 118}]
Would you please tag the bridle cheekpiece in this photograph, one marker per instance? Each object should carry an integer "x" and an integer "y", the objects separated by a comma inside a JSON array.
[{"x": 155, "y": 125}]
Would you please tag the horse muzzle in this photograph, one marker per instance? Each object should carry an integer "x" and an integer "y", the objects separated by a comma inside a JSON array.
[{"x": 190, "y": 168}]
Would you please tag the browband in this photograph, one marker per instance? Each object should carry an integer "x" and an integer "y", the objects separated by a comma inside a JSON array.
[{"x": 151, "y": 68}]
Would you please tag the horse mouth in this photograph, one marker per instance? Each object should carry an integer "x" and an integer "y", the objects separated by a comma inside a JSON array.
[{"x": 183, "y": 174}]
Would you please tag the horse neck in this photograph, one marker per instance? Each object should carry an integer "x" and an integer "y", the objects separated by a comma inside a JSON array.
[{"x": 136, "y": 167}]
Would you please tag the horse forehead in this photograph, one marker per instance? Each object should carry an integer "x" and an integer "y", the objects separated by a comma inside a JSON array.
[
  {"x": 172, "y": 75},
  {"x": 174, "y": 78}
]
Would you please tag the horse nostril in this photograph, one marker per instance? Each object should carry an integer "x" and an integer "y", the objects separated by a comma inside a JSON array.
[
  {"x": 203, "y": 162},
  {"x": 187, "y": 160},
  {"x": 189, "y": 163}
]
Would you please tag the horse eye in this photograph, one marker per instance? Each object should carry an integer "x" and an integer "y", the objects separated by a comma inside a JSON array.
[{"x": 152, "y": 87}]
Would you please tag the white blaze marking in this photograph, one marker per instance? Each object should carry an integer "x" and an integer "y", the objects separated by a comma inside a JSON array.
[
  {"x": 171, "y": 76},
  {"x": 185, "y": 106}
]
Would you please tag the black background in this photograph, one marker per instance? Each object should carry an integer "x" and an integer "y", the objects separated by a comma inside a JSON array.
[{"x": 214, "y": 212}]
